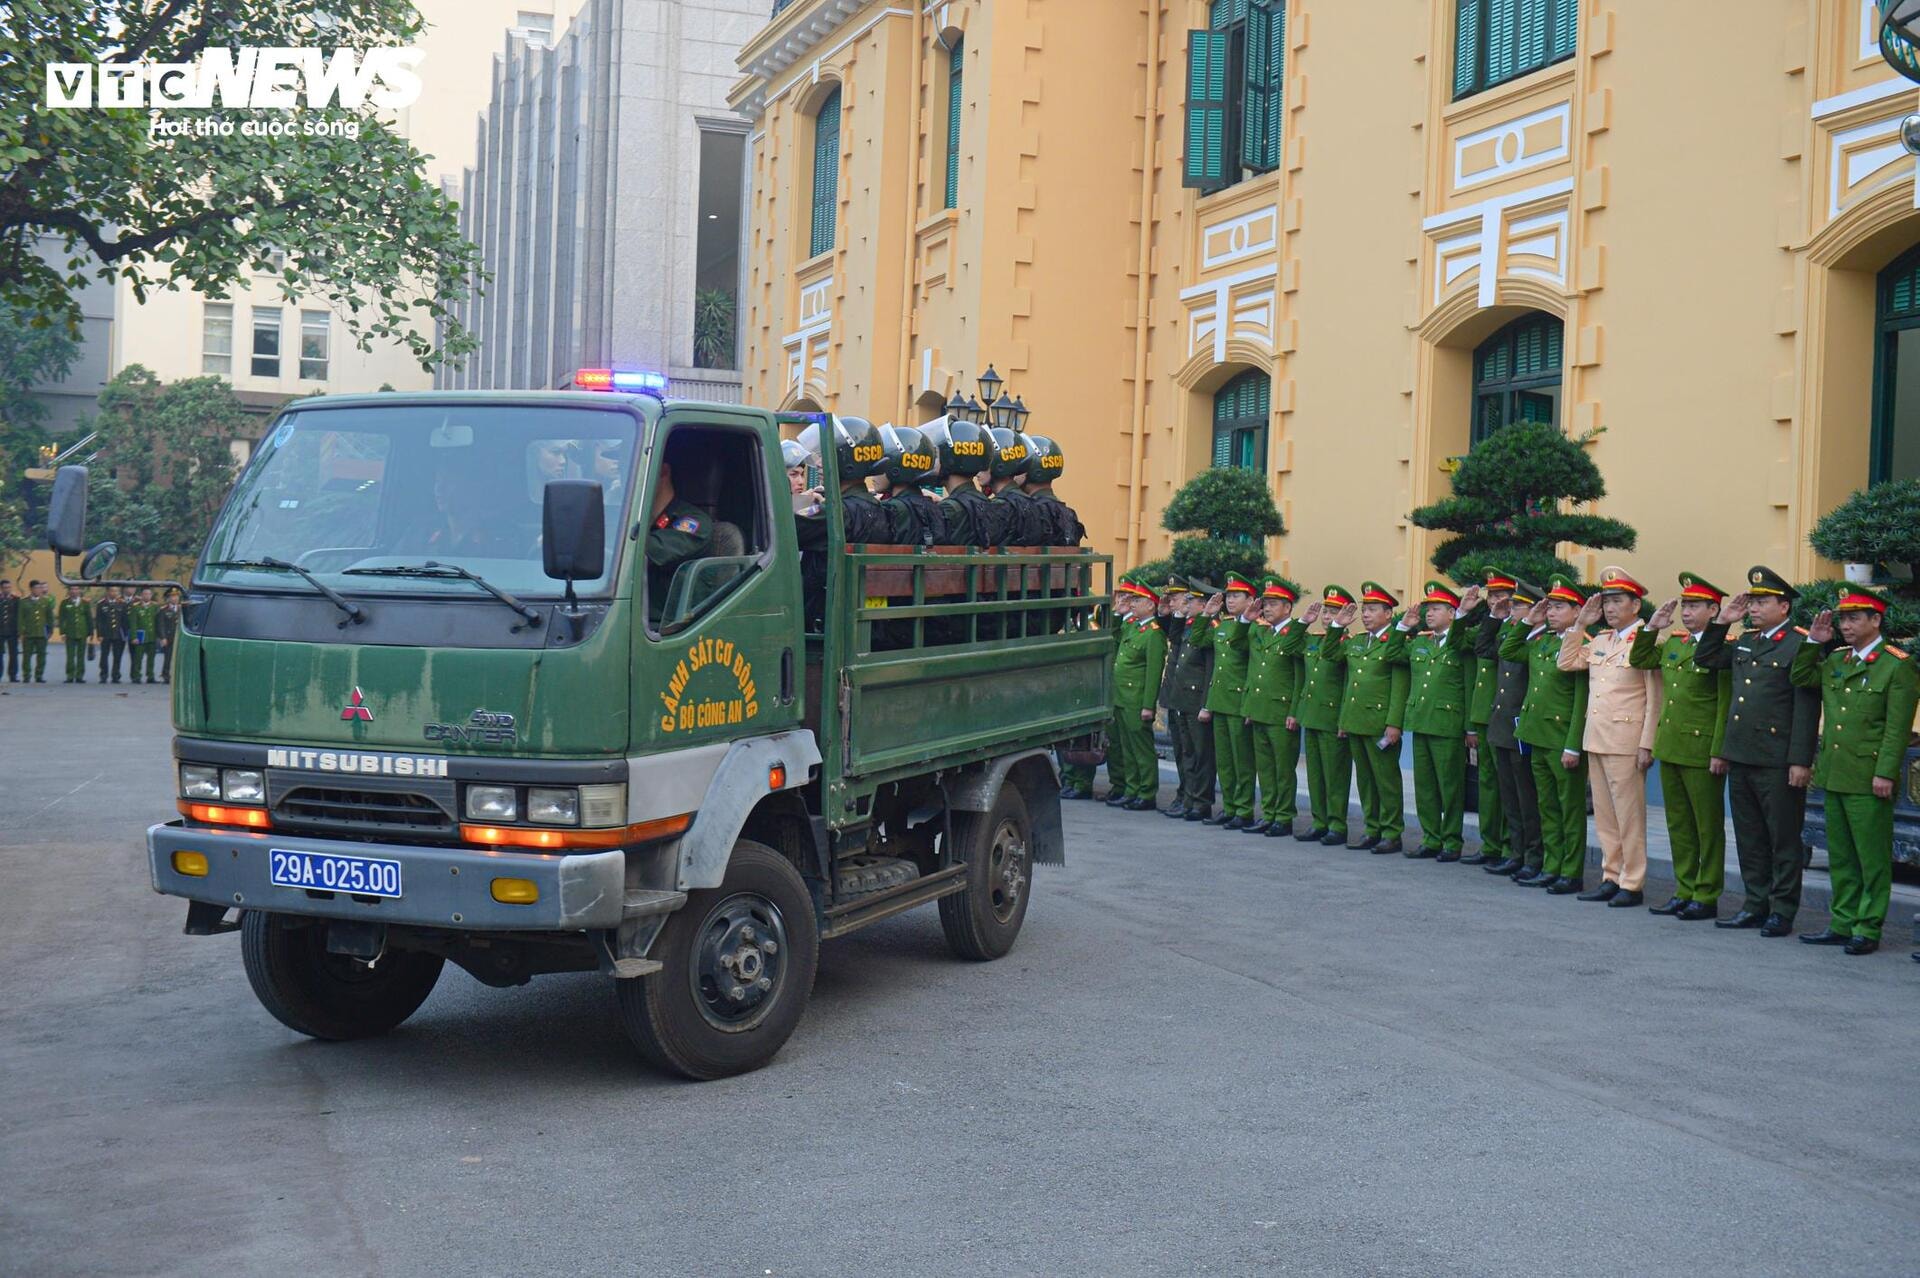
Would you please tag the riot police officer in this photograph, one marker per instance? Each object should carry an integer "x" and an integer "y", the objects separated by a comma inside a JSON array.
[
  {"x": 960, "y": 453},
  {"x": 1045, "y": 464},
  {"x": 915, "y": 520},
  {"x": 1008, "y": 454},
  {"x": 858, "y": 453}
]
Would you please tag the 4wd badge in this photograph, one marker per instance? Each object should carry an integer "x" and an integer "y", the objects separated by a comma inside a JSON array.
[{"x": 356, "y": 708}]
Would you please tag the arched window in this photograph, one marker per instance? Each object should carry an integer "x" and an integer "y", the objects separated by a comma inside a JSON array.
[
  {"x": 1499, "y": 40},
  {"x": 953, "y": 124},
  {"x": 1896, "y": 374},
  {"x": 1240, "y": 412},
  {"x": 826, "y": 174},
  {"x": 1516, "y": 375}
]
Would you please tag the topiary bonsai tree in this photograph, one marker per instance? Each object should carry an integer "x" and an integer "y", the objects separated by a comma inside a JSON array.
[
  {"x": 1230, "y": 513},
  {"x": 1507, "y": 508},
  {"x": 1878, "y": 525}
]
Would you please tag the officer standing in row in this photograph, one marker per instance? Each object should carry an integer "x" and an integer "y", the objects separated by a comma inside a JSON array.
[
  {"x": 1323, "y": 689},
  {"x": 75, "y": 620},
  {"x": 1483, "y": 677},
  {"x": 10, "y": 630},
  {"x": 110, "y": 628},
  {"x": 1438, "y": 657},
  {"x": 1768, "y": 747},
  {"x": 169, "y": 630},
  {"x": 143, "y": 620},
  {"x": 1868, "y": 693},
  {"x": 1509, "y": 598},
  {"x": 1373, "y": 711},
  {"x": 36, "y": 624},
  {"x": 1140, "y": 656},
  {"x": 1184, "y": 694},
  {"x": 1173, "y": 623},
  {"x": 1273, "y": 683},
  {"x": 1553, "y": 722},
  {"x": 1227, "y": 633},
  {"x": 1692, "y": 726}
]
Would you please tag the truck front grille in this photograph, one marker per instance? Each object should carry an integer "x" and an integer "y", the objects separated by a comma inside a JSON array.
[{"x": 362, "y": 811}]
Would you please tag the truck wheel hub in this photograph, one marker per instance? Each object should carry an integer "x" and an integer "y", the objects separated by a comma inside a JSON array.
[
  {"x": 737, "y": 965},
  {"x": 1007, "y": 870}
]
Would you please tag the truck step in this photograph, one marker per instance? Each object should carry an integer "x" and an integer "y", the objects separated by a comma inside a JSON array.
[
  {"x": 857, "y": 913},
  {"x": 641, "y": 902},
  {"x": 861, "y": 875}
]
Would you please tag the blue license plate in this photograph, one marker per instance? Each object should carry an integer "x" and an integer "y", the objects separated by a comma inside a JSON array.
[{"x": 323, "y": 872}]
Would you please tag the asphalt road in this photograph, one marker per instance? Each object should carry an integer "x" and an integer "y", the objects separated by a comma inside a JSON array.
[{"x": 1208, "y": 1054}]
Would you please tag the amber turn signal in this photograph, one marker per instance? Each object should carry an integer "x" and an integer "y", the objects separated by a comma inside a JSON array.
[
  {"x": 513, "y": 836},
  {"x": 225, "y": 814}
]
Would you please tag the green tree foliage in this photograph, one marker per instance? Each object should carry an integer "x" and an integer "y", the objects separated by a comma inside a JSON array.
[
  {"x": 713, "y": 324},
  {"x": 360, "y": 225},
  {"x": 1507, "y": 507},
  {"x": 164, "y": 465},
  {"x": 30, "y": 355},
  {"x": 1228, "y": 514},
  {"x": 1877, "y": 525}
]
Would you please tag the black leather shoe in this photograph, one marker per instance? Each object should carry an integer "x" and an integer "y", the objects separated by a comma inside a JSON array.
[
  {"x": 1069, "y": 793},
  {"x": 1311, "y": 835},
  {"x": 1915, "y": 956},
  {"x": 1386, "y": 847},
  {"x": 1565, "y": 887},
  {"x": 1447, "y": 857},
  {"x": 1369, "y": 842},
  {"x": 1745, "y": 919},
  {"x": 1828, "y": 937},
  {"x": 1421, "y": 853},
  {"x": 1234, "y": 823},
  {"x": 1525, "y": 877},
  {"x": 1543, "y": 880},
  {"x": 1174, "y": 810},
  {"x": 1673, "y": 906},
  {"x": 1776, "y": 926},
  {"x": 1141, "y": 805},
  {"x": 1861, "y": 945},
  {"x": 1476, "y": 858},
  {"x": 1115, "y": 798},
  {"x": 1256, "y": 827},
  {"x": 1197, "y": 814},
  {"x": 1698, "y": 911},
  {"x": 1334, "y": 839},
  {"x": 1507, "y": 867},
  {"x": 1625, "y": 898},
  {"x": 1280, "y": 830},
  {"x": 1220, "y": 819},
  {"x": 1607, "y": 890}
]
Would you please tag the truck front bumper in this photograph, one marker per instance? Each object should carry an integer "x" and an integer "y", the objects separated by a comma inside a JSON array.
[{"x": 447, "y": 887}]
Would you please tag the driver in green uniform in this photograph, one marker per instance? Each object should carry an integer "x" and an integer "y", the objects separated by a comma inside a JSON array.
[{"x": 677, "y": 531}]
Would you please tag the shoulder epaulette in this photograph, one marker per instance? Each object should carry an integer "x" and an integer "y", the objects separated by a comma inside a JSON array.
[
  {"x": 1898, "y": 652},
  {"x": 1800, "y": 630}
]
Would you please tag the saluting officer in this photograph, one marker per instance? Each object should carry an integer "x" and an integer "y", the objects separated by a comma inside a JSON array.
[
  {"x": 36, "y": 623},
  {"x": 1140, "y": 657},
  {"x": 1438, "y": 657},
  {"x": 10, "y": 630},
  {"x": 1273, "y": 685},
  {"x": 1508, "y": 600},
  {"x": 1693, "y": 721},
  {"x": 1482, "y": 677},
  {"x": 1767, "y": 750},
  {"x": 76, "y": 624},
  {"x": 1623, "y": 712},
  {"x": 110, "y": 627},
  {"x": 1552, "y": 722},
  {"x": 1868, "y": 693},
  {"x": 1227, "y": 633},
  {"x": 169, "y": 629},
  {"x": 1373, "y": 712},
  {"x": 1184, "y": 694},
  {"x": 1323, "y": 689},
  {"x": 1173, "y": 622}
]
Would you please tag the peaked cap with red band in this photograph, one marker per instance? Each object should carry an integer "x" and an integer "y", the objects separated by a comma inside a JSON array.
[
  {"x": 1564, "y": 590},
  {"x": 1618, "y": 581},
  {"x": 1694, "y": 586},
  {"x": 1374, "y": 593},
  {"x": 1336, "y": 597},
  {"x": 1861, "y": 599},
  {"x": 1137, "y": 588},
  {"x": 1277, "y": 587},
  {"x": 1500, "y": 579},
  {"x": 1237, "y": 582},
  {"x": 1438, "y": 592}
]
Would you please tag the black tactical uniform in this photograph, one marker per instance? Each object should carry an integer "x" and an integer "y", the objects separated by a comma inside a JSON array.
[
  {"x": 110, "y": 626},
  {"x": 10, "y": 633},
  {"x": 1184, "y": 694},
  {"x": 1512, "y": 769}
]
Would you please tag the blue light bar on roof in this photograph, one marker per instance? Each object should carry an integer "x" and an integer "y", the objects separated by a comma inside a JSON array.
[{"x": 620, "y": 379}]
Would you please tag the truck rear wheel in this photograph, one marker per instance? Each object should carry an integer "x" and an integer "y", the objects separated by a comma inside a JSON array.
[
  {"x": 330, "y": 996},
  {"x": 738, "y": 964},
  {"x": 984, "y": 921}
]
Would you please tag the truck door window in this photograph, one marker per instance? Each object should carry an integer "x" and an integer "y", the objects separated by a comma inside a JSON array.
[{"x": 708, "y": 529}]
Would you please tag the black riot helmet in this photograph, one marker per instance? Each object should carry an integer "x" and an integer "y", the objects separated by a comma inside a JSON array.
[
  {"x": 857, "y": 447},
  {"x": 1046, "y": 463},
  {"x": 1007, "y": 453},
  {"x": 909, "y": 457},
  {"x": 958, "y": 448}
]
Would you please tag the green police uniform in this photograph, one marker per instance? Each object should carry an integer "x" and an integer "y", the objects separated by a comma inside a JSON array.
[
  {"x": 143, "y": 639},
  {"x": 1230, "y": 640},
  {"x": 1771, "y": 727},
  {"x": 1512, "y": 768},
  {"x": 1323, "y": 689},
  {"x": 36, "y": 623},
  {"x": 1867, "y": 702},
  {"x": 1184, "y": 694},
  {"x": 1437, "y": 665},
  {"x": 679, "y": 532},
  {"x": 1273, "y": 686},
  {"x": 1692, "y": 725},
  {"x": 168, "y": 626},
  {"x": 110, "y": 628},
  {"x": 1376, "y": 699},
  {"x": 1138, "y": 664},
  {"x": 1552, "y": 722},
  {"x": 1483, "y": 678},
  {"x": 75, "y": 620},
  {"x": 1175, "y": 629}
]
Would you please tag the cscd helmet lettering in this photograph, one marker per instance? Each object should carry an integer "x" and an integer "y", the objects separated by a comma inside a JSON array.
[
  {"x": 916, "y": 461},
  {"x": 867, "y": 452},
  {"x": 969, "y": 448}
]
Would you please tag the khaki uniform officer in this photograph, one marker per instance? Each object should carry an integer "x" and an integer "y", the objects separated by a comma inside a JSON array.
[
  {"x": 1623, "y": 712},
  {"x": 1373, "y": 712},
  {"x": 1868, "y": 692}
]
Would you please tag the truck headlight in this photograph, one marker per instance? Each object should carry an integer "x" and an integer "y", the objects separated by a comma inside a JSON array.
[
  {"x": 603, "y": 805},
  {"x": 492, "y": 803},
  {"x": 198, "y": 781},
  {"x": 554, "y": 806},
  {"x": 242, "y": 785}
]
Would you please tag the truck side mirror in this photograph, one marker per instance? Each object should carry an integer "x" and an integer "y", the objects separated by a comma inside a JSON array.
[
  {"x": 67, "y": 511},
  {"x": 95, "y": 563},
  {"x": 573, "y": 529}
]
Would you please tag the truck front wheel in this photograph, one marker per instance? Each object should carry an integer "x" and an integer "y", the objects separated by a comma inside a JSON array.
[
  {"x": 325, "y": 995},
  {"x": 983, "y": 921},
  {"x": 738, "y": 964}
]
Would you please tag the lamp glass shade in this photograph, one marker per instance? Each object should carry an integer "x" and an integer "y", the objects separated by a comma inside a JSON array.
[
  {"x": 1004, "y": 413},
  {"x": 976, "y": 411},
  {"x": 1020, "y": 412},
  {"x": 990, "y": 383}
]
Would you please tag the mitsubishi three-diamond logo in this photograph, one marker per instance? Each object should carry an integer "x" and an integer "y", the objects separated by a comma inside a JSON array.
[{"x": 356, "y": 708}]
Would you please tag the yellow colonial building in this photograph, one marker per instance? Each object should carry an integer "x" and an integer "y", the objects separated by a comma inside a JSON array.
[{"x": 1339, "y": 242}]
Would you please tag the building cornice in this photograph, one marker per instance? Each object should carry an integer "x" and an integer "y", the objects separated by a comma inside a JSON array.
[{"x": 797, "y": 32}]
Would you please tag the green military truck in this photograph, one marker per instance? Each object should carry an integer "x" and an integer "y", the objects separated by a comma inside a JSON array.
[{"x": 441, "y": 694}]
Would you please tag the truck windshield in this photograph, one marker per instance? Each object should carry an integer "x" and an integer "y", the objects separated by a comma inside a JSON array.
[{"x": 338, "y": 489}]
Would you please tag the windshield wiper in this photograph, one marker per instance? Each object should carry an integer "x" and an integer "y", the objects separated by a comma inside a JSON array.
[
  {"x": 431, "y": 569},
  {"x": 355, "y": 613}
]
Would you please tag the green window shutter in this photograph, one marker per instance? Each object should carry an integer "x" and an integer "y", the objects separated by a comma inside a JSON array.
[
  {"x": 1240, "y": 412},
  {"x": 1466, "y": 46},
  {"x": 1503, "y": 40},
  {"x": 1222, "y": 14},
  {"x": 1566, "y": 25},
  {"x": 1265, "y": 79},
  {"x": 1531, "y": 53},
  {"x": 1222, "y": 447},
  {"x": 1206, "y": 155},
  {"x": 953, "y": 125},
  {"x": 1900, "y": 292},
  {"x": 826, "y": 174}
]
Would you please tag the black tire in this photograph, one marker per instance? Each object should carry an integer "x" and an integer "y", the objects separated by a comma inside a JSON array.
[
  {"x": 682, "y": 1018},
  {"x": 984, "y": 921},
  {"x": 330, "y": 996}
]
